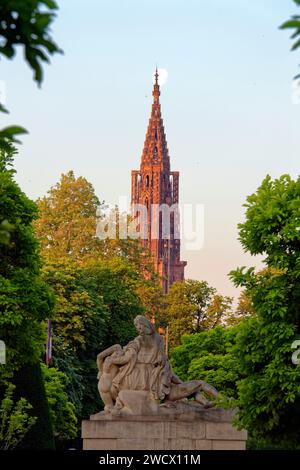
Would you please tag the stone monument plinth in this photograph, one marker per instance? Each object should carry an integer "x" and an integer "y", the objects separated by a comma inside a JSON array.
[
  {"x": 148, "y": 407},
  {"x": 209, "y": 430}
]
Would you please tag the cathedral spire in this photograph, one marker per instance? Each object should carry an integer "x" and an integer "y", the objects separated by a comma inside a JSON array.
[
  {"x": 155, "y": 147},
  {"x": 155, "y": 185},
  {"x": 156, "y": 91}
]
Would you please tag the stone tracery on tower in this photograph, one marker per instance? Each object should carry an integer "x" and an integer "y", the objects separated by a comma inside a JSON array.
[{"x": 156, "y": 185}]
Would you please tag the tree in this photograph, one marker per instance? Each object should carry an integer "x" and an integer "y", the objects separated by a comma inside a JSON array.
[
  {"x": 66, "y": 225},
  {"x": 294, "y": 23},
  {"x": 28, "y": 24},
  {"x": 208, "y": 356},
  {"x": 15, "y": 421},
  {"x": 30, "y": 385},
  {"x": 244, "y": 308},
  {"x": 79, "y": 306},
  {"x": 152, "y": 299},
  {"x": 192, "y": 306},
  {"x": 67, "y": 361},
  {"x": 5, "y": 229},
  {"x": 117, "y": 284},
  {"x": 269, "y": 395},
  {"x": 25, "y": 300},
  {"x": 62, "y": 410}
]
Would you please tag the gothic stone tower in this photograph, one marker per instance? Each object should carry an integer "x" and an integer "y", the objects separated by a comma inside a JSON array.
[{"x": 154, "y": 184}]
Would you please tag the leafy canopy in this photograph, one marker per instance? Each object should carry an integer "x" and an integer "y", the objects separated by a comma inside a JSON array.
[
  {"x": 28, "y": 23},
  {"x": 208, "y": 356},
  {"x": 193, "y": 306},
  {"x": 25, "y": 300},
  {"x": 15, "y": 421},
  {"x": 269, "y": 395},
  {"x": 62, "y": 410}
]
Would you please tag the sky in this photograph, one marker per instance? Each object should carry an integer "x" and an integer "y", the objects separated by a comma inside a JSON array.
[{"x": 228, "y": 107}]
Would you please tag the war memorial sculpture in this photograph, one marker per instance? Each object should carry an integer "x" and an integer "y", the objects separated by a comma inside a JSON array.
[{"x": 146, "y": 406}]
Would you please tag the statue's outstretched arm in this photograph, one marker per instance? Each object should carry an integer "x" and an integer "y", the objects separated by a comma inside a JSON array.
[{"x": 109, "y": 351}]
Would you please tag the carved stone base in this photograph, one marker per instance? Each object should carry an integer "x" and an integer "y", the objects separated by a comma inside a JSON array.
[{"x": 210, "y": 430}]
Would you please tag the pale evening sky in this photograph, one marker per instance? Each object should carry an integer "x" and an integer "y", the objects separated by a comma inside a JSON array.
[{"x": 227, "y": 106}]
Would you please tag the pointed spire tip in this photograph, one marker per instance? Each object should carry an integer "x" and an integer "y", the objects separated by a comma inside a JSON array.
[{"x": 156, "y": 76}]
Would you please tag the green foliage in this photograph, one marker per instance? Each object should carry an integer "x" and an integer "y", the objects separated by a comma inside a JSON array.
[
  {"x": 269, "y": 395},
  {"x": 66, "y": 225},
  {"x": 243, "y": 310},
  {"x": 67, "y": 361},
  {"x": 79, "y": 331},
  {"x": 30, "y": 385},
  {"x": 5, "y": 229},
  {"x": 15, "y": 421},
  {"x": 27, "y": 23},
  {"x": 25, "y": 300},
  {"x": 8, "y": 136},
  {"x": 95, "y": 307},
  {"x": 208, "y": 356},
  {"x": 79, "y": 306},
  {"x": 62, "y": 410},
  {"x": 117, "y": 283},
  {"x": 192, "y": 306},
  {"x": 272, "y": 222},
  {"x": 294, "y": 23}
]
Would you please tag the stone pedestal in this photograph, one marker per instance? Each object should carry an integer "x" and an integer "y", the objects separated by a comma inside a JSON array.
[{"x": 209, "y": 430}]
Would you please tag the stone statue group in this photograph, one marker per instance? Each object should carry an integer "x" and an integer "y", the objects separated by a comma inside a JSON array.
[{"x": 138, "y": 378}]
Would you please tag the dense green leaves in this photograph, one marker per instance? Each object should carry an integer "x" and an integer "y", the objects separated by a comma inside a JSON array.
[
  {"x": 208, "y": 356},
  {"x": 15, "y": 421},
  {"x": 8, "y": 136},
  {"x": 5, "y": 229},
  {"x": 27, "y": 23},
  {"x": 25, "y": 300},
  {"x": 95, "y": 307},
  {"x": 66, "y": 225},
  {"x": 269, "y": 395},
  {"x": 62, "y": 410},
  {"x": 272, "y": 225},
  {"x": 78, "y": 305},
  {"x": 192, "y": 306}
]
